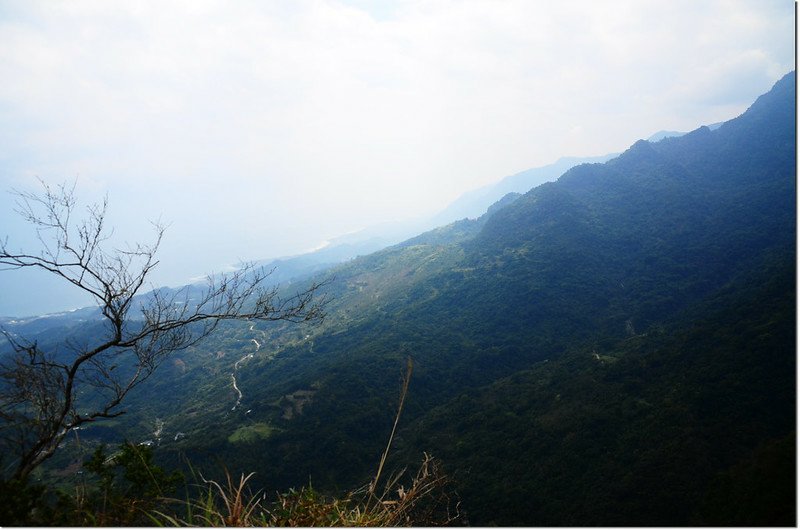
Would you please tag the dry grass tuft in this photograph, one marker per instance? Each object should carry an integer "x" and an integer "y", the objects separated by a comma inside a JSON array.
[{"x": 426, "y": 501}]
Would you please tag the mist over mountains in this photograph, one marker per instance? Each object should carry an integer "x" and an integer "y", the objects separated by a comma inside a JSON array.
[
  {"x": 27, "y": 300},
  {"x": 614, "y": 346}
]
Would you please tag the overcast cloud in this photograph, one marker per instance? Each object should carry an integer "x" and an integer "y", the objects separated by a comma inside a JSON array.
[{"x": 261, "y": 129}]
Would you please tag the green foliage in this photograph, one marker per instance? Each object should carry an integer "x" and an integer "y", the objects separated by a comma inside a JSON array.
[
  {"x": 144, "y": 478},
  {"x": 645, "y": 439},
  {"x": 121, "y": 488},
  {"x": 20, "y": 499},
  {"x": 129, "y": 483},
  {"x": 757, "y": 490},
  {"x": 248, "y": 434}
]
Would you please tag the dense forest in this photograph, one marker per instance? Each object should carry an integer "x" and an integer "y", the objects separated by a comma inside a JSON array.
[{"x": 613, "y": 348}]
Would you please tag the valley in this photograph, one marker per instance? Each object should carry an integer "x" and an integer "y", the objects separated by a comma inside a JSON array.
[{"x": 615, "y": 347}]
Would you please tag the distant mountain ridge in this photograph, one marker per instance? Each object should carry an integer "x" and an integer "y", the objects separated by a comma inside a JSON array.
[
  {"x": 474, "y": 203},
  {"x": 660, "y": 135},
  {"x": 470, "y": 205}
]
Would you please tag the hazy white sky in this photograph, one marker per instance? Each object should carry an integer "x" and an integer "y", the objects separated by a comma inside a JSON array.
[{"x": 262, "y": 128}]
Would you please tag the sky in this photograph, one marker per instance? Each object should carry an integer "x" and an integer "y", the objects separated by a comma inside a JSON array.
[{"x": 262, "y": 129}]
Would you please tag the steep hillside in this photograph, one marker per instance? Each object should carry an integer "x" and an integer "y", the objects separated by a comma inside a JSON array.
[
  {"x": 613, "y": 348},
  {"x": 654, "y": 251}
]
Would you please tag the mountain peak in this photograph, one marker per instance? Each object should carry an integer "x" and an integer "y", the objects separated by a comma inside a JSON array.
[
  {"x": 774, "y": 102},
  {"x": 785, "y": 85},
  {"x": 641, "y": 149},
  {"x": 660, "y": 135},
  {"x": 642, "y": 145}
]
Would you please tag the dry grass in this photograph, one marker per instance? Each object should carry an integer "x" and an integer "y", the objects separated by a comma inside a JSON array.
[{"x": 426, "y": 501}]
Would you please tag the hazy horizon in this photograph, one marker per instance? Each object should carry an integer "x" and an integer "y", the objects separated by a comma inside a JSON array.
[{"x": 259, "y": 130}]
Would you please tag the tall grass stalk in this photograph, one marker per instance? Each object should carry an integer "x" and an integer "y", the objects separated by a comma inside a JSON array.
[{"x": 403, "y": 392}]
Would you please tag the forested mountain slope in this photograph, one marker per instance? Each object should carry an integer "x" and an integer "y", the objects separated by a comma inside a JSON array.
[
  {"x": 660, "y": 283},
  {"x": 673, "y": 267},
  {"x": 614, "y": 348}
]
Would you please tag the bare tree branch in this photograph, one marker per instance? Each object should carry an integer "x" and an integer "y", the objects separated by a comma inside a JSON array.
[{"x": 39, "y": 398}]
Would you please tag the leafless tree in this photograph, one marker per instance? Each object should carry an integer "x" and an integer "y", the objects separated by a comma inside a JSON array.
[{"x": 46, "y": 394}]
